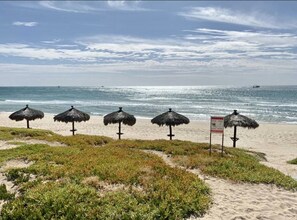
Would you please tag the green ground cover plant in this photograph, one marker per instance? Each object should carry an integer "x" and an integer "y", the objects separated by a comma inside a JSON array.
[
  {"x": 17, "y": 175},
  {"x": 4, "y": 194},
  {"x": 294, "y": 161},
  {"x": 71, "y": 180},
  {"x": 165, "y": 192},
  {"x": 237, "y": 165}
]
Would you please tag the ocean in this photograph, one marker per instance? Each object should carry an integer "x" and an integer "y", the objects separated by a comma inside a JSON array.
[{"x": 277, "y": 104}]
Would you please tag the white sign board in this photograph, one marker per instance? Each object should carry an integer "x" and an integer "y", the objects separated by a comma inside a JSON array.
[{"x": 217, "y": 124}]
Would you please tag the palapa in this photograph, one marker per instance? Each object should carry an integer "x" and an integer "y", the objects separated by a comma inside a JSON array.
[
  {"x": 119, "y": 117},
  {"x": 72, "y": 115},
  {"x": 170, "y": 119},
  {"x": 27, "y": 113},
  {"x": 235, "y": 119}
]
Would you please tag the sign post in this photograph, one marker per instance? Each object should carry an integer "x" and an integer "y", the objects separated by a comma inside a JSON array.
[{"x": 216, "y": 126}]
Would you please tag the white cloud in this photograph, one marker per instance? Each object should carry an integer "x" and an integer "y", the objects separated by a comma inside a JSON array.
[
  {"x": 38, "y": 53},
  {"x": 215, "y": 45},
  {"x": 125, "y": 5},
  {"x": 206, "y": 54},
  {"x": 26, "y": 24},
  {"x": 262, "y": 40},
  {"x": 116, "y": 3},
  {"x": 92, "y": 6},
  {"x": 51, "y": 41},
  {"x": 255, "y": 19},
  {"x": 241, "y": 71},
  {"x": 70, "y": 6}
]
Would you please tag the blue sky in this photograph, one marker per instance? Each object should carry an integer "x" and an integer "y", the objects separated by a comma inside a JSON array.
[{"x": 140, "y": 43}]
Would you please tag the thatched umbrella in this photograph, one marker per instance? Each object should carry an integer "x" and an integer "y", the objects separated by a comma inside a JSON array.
[
  {"x": 119, "y": 117},
  {"x": 72, "y": 115},
  {"x": 28, "y": 114},
  {"x": 170, "y": 119},
  {"x": 235, "y": 119}
]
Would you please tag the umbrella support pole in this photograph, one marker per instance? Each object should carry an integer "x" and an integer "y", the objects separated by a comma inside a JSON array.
[
  {"x": 28, "y": 124},
  {"x": 170, "y": 135},
  {"x": 120, "y": 133},
  {"x": 234, "y": 138},
  {"x": 73, "y": 129}
]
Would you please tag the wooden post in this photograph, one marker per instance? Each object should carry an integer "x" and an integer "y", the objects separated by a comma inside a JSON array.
[
  {"x": 120, "y": 133},
  {"x": 223, "y": 144},
  {"x": 170, "y": 135},
  {"x": 28, "y": 124},
  {"x": 73, "y": 130},
  {"x": 235, "y": 130},
  {"x": 209, "y": 143},
  {"x": 119, "y": 130},
  {"x": 234, "y": 137}
]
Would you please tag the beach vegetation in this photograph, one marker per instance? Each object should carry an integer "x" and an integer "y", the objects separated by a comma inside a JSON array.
[
  {"x": 236, "y": 164},
  {"x": 4, "y": 194},
  {"x": 294, "y": 161},
  {"x": 60, "y": 191},
  {"x": 95, "y": 177},
  {"x": 17, "y": 175}
]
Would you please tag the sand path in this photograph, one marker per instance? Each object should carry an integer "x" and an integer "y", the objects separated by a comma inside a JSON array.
[{"x": 244, "y": 201}]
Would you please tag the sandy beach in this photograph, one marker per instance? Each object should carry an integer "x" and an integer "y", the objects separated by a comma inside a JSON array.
[
  {"x": 277, "y": 141},
  {"x": 231, "y": 200}
]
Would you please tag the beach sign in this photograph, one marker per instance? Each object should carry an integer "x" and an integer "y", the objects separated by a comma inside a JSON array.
[{"x": 216, "y": 126}]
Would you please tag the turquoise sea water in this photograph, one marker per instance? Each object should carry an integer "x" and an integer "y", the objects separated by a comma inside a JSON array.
[{"x": 266, "y": 104}]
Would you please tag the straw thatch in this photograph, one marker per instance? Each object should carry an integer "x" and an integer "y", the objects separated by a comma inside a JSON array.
[
  {"x": 236, "y": 119},
  {"x": 72, "y": 115},
  {"x": 119, "y": 117},
  {"x": 170, "y": 118},
  {"x": 26, "y": 113}
]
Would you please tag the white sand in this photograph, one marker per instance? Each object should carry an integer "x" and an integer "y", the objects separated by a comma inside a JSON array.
[
  {"x": 231, "y": 201},
  {"x": 244, "y": 201}
]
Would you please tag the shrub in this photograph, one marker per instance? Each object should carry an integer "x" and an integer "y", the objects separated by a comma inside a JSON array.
[
  {"x": 4, "y": 194},
  {"x": 294, "y": 161},
  {"x": 17, "y": 176},
  {"x": 52, "y": 201}
]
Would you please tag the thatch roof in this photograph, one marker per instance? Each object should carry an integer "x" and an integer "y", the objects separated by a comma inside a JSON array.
[
  {"x": 236, "y": 119},
  {"x": 170, "y": 118},
  {"x": 72, "y": 115},
  {"x": 119, "y": 116},
  {"x": 26, "y": 113}
]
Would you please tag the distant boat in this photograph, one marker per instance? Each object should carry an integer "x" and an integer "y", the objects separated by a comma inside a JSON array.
[{"x": 256, "y": 86}]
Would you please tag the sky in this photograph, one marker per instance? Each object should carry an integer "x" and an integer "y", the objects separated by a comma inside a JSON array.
[{"x": 148, "y": 43}]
